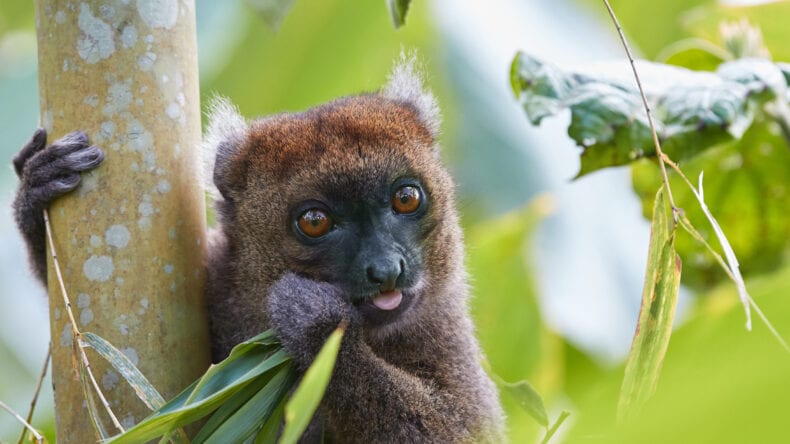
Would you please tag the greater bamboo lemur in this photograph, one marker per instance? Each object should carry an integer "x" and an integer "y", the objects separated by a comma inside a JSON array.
[{"x": 341, "y": 212}]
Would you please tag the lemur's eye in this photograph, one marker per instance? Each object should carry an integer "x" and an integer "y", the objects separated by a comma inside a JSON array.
[
  {"x": 314, "y": 222},
  {"x": 406, "y": 199}
]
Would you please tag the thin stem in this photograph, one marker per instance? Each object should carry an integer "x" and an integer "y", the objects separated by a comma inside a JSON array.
[
  {"x": 553, "y": 429},
  {"x": 657, "y": 144},
  {"x": 35, "y": 395},
  {"x": 36, "y": 435},
  {"x": 75, "y": 331}
]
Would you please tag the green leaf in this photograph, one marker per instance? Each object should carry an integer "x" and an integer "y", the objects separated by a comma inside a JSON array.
[
  {"x": 528, "y": 398},
  {"x": 271, "y": 428},
  {"x": 300, "y": 408},
  {"x": 142, "y": 387},
  {"x": 654, "y": 327},
  {"x": 229, "y": 408},
  {"x": 693, "y": 110},
  {"x": 272, "y": 12},
  {"x": 398, "y": 10},
  {"x": 259, "y": 357},
  {"x": 248, "y": 419}
]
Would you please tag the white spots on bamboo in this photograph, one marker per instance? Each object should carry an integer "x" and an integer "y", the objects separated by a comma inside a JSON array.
[
  {"x": 131, "y": 353},
  {"x": 60, "y": 17},
  {"x": 65, "y": 335},
  {"x": 86, "y": 316},
  {"x": 110, "y": 380},
  {"x": 128, "y": 421},
  {"x": 144, "y": 303},
  {"x": 171, "y": 233},
  {"x": 92, "y": 100},
  {"x": 146, "y": 61},
  {"x": 117, "y": 236},
  {"x": 124, "y": 329},
  {"x": 146, "y": 210},
  {"x": 96, "y": 39},
  {"x": 83, "y": 304},
  {"x": 89, "y": 182},
  {"x": 96, "y": 241},
  {"x": 98, "y": 268},
  {"x": 119, "y": 97},
  {"x": 149, "y": 160},
  {"x": 48, "y": 120},
  {"x": 173, "y": 110},
  {"x": 57, "y": 313},
  {"x": 66, "y": 64},
  {"x": 163, "y": 187},
  {"x": 129, "y": 36},
  {"x": 83, "y": 300},
  {"x": 107, "y": 129},
  {"x": 168, "y": 268},
  {"x": 158, "y": 13},
  {"x": 135, "y": 167}
]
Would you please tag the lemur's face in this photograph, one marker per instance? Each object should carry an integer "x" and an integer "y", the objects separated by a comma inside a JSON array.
[
  {"x": 350, "y": 193},
  {"x": 366, "y": 237}
]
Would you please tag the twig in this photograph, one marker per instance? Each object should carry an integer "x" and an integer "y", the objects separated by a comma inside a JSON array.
[
  {"x": 75, "y": 331},
  {"x": 657, "y": 144},
  {"x": 38, "y": 437},
  {"x": 35, "y": 395},
  {"x": 553, "y": 429}
]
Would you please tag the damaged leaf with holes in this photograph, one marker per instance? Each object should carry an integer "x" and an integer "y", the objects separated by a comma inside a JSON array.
[{"x": 693, "y": 110}]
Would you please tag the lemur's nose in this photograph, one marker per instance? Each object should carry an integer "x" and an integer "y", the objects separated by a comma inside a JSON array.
[{"x": 385, "y": 271}]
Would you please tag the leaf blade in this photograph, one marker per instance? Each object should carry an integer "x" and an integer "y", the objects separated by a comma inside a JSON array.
[
  {"x": 656, "y": 315},
  {"x": 300, "y": 408}
]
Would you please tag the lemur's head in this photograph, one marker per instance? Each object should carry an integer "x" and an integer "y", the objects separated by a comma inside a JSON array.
[{"x": 350, "y": 192}]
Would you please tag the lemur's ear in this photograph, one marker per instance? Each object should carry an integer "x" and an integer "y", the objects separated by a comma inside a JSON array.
[
  {"x": 405, "y": 84},
  {"x": 222, "y": 146}
]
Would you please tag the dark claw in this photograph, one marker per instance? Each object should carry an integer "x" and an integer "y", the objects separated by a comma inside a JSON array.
[{"x": 33, "y": 146}]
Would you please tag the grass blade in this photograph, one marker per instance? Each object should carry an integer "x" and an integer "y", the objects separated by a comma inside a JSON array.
[
  {"x": 654, "y": 328},
  {"x": 142, "y": 387},
  {"x": 271, "y": 428},
  {"x": 248, "y": 419},
  {"x": 300, "y": 408}
]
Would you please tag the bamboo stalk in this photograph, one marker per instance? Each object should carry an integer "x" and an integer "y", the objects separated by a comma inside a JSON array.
[{"x": 131, "y": 238}]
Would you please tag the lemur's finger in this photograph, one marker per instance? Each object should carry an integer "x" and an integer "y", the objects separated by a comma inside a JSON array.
[{"x": 36, "y": 143}]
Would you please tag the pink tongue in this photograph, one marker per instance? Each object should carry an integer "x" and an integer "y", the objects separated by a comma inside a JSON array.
[{"x": 389, "y": 300}]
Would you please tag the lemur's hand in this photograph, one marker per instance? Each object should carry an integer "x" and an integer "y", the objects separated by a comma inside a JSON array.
[
  {"x": 304, "y": 312},
  {"x": 45, "y": 173}
]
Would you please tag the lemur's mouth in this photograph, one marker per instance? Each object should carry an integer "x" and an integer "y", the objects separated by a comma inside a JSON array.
[
  {"x": 386, "y": 307},
  {"x": 388, "y": 300}
]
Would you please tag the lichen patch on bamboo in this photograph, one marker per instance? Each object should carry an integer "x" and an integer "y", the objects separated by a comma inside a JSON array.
[
  {"x": 110, "y": 380},
  {"x": 158, "y": 13},
  {"x": 117, "y": 236},
  {"x": 98, "y": 268},
  {"x": 96, "y": 42},
  {"x": 129, "y": 36}
]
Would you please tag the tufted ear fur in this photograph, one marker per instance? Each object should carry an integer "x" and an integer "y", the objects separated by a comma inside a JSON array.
[
  {"x": 405, "y": 85},
  {"x": 222, "y": 146}
]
